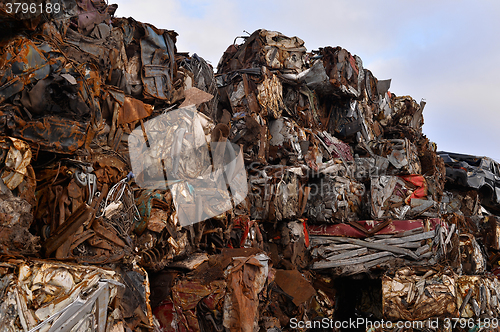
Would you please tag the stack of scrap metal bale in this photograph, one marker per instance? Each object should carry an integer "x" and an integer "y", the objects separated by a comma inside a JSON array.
[
  {"x": 79, "y": 238},
  {"x": 139, "y": 191}
]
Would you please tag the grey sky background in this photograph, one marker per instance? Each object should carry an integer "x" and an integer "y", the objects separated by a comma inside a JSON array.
[{"x": 446, "y": 52}]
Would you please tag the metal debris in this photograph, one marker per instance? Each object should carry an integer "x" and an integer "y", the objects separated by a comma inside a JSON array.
[{"x": 139, "y": 191}]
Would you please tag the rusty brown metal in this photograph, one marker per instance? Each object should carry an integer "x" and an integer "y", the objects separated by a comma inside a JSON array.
[
  {"x": 107, "y": 233},
  {"x": 46, "y": 133},
  {"x": 240, "y": 307},
  {"x": 295, "y": 285},
  {"x": 61, "y": 234},
  {"x": 133, "y": 110},
  {"x": 15, "y": 221}
]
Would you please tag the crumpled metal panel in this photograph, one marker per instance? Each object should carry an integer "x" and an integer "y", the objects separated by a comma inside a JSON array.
[
  {"x": 276, "y": 193},
  {"x": 106, "y": 50},
  {"x": 190, "y": 300},
  {"x": 400, "y": 196},
  {"x": 263, "y": 47},
  {"x": 371, "y": 86},
  {"x": 333, "y": 196},
  {"x": 248, "y": 231},
  {"x": 287, "y": 140},
  {"x": 49, "y": 133},
  {"x": 92, "y": 13},
  {"x": 16, "y": 161},
  {"x": 158, "y": 63},
  {"x": 16, "y": 219},
  {"x": 409, "y": 295},
  {"x": 130, "y": 109},
  {"x": 195, "y": 96},
  {"x": 246, "y": 278},
  {"x": 405, "y": 112},
  {"x": 48, "y": 88},
  {"x": 21, "y": 63},
  {"x": 314, "y": 77},
  {"x": 457, "y": 201},
  {"x": 288, "y": 198},
  {"x": 335, "y": 147},
  {"x": 331, "y": 74},
  {"x": 401, "y": 155},
  {"x": 144, "y": 204},
  {"x": 354, "y": 121},
  {"x": 166, "y": 141},
  {"x": 492, "y": 237},
  {"x": 181, "y": 161},
  {"x": 186, "y": 293},
  {"x": 270, "y": 95},
  {"x": 203, "y": 79},
  {"x": 295, "y": 243},
  {"x": 199, "y": 301},
  {"x": 251, "y": 133},
  {"x": 58, "y": 94},
  {"x": 478, "y": 296},
  {"x": 134, "y": 300},
  {"x": 480, "y": 173},
  {"x": 472, "y": 258},
  {"x": 133, "y": 110},
  {"x": 281, "y": 51},
  {"x": 242, "y": 94},
  {"x": 294, "y": 284},
  {"x": 16, "y": 198},
  {"x": 342, "y": 69}
]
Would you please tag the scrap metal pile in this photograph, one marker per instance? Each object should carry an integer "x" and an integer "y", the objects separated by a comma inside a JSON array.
[{"x": 141, "y": 191}]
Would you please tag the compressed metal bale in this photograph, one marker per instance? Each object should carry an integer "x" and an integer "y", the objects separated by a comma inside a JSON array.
[
  {"x": 276, "y": 193},
  {"x": 263, "y": 47},
  {"x": 407, "y": 296}
]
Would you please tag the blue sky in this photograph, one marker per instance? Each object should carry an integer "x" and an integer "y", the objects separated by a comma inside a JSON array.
[{"x": 446, "y": 52}]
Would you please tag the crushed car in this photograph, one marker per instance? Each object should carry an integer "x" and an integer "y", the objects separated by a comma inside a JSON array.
[{"x": 480, "y": 173}]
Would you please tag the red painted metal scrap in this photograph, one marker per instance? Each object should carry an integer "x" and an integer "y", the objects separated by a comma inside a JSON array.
[{"x": 393, "y": 228}]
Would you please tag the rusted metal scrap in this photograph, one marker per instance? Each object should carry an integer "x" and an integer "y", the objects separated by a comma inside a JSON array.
[
  {"x": 294, "y": 284},
  {"x": 400, "y": 196},
  {"x": 241, "y": 308},
  {"x": 250, "y": 196},
  {"x": 221, "y": 291},
  {"x": 15, "y": 220},
  {"x": 333, "y": 194},
  {"x": 46, "y": 133},
  {"x": 276, "y": 193},
  {"x": 263, "y": 47},
  {"x": 16, "y": 198},
  {"x": 401, "y": 156},
  {"x": 342, "y": 71},
  {"x": 472, "y": 257}
]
